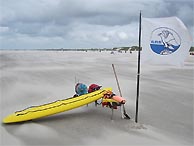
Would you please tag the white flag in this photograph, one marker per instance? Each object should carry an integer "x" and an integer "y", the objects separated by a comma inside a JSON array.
[{"x": 165, "y": 41}]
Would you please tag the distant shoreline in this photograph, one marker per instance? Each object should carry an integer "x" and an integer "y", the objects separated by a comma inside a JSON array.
[
  {"x": 133, "y": 48},
  {"x": 56, "y": 49}
]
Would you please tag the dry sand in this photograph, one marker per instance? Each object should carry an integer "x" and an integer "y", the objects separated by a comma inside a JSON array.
[{"x": 35, "y": 77}]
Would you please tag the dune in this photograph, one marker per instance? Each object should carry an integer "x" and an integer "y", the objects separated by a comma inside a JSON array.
[{"x": 37, "y": 77}]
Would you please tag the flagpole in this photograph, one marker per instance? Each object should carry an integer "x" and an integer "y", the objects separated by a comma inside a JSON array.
[{"x": 138, "y": 71}]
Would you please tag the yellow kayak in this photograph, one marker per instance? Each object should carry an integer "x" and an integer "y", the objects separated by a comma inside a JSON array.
[{"x": 55, "y": 107}]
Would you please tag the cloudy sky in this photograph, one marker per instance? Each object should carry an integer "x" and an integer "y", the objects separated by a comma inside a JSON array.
[{"x": 39, "y": 24}]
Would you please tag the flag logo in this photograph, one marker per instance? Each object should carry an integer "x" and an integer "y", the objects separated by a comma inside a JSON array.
[{"x": 164, "y": 41}]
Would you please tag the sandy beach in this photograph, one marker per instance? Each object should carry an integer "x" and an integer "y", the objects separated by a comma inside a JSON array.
[{"x": 37, "y": 77}]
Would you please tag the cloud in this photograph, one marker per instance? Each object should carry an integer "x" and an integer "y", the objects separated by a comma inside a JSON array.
[
  {"x": 123, "y": 35},
  {"x": 82, "y": 23},
  {"x": 103, "y": 36},
  {"x": 4, "y": 29},
  {"x": 30, "y": 42}
]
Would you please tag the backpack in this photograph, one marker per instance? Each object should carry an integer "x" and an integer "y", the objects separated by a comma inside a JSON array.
[
  {"x": 93, "y": 87},
  {"x": 81, "y": 89}
]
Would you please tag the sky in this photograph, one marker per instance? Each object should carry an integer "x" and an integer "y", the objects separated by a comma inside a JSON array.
[{"x": 49, "y": 24}]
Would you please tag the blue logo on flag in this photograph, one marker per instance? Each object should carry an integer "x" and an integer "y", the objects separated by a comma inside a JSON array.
[{"x": 164, "y": 41}]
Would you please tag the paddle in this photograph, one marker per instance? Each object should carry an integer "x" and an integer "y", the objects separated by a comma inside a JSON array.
[{"x": 124, "y": 111}]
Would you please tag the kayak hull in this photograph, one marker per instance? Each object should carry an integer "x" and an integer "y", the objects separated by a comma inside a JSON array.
[{"x": 55, "y": 107}]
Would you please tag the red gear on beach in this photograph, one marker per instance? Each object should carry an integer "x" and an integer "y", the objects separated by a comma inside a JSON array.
[
  {"x": 93, "y": 87},
  {"x": 109, "y": 95}
]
